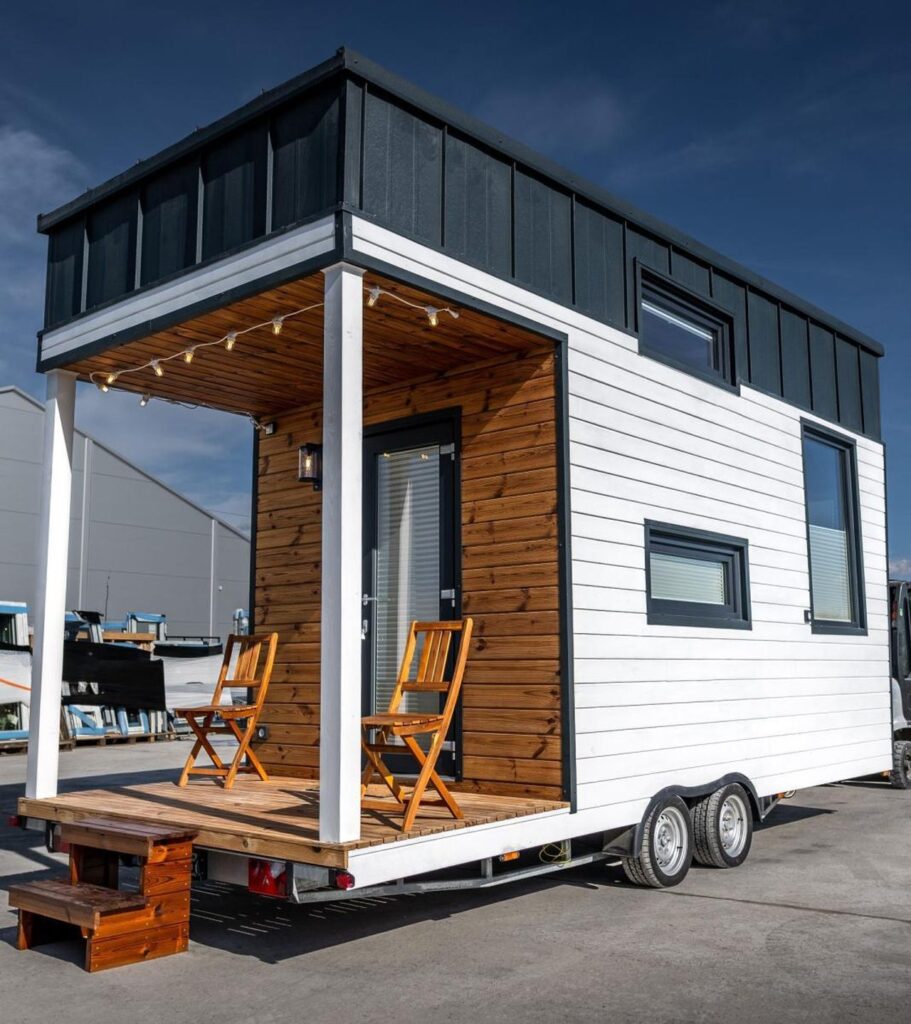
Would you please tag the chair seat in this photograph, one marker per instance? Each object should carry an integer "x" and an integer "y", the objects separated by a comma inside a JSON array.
[
  {"x": 378, "y": 721},
  {"x": 224, "y": 710}
]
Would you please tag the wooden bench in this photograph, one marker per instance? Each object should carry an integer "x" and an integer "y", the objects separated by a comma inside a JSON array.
[{"x": 119, "y": 926}]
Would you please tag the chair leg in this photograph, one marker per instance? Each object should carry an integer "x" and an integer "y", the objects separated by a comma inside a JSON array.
[
  {"x": 427, "y": 765},
  {"x": 243, "y": 745},
  {"x": 376, "y": 765},
  {"x": 199, "y": 728},
  {"x": 435, "y": 779}
]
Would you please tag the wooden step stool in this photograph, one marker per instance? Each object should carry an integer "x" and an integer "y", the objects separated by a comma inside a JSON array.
[{"x": 119, "y": 927}]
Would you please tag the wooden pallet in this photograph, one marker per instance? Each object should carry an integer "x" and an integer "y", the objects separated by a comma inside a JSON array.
[{"x": 119, "y": 927}]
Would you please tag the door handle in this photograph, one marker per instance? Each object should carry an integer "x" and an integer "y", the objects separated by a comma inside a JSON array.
[{"x": 366, "y": 599}]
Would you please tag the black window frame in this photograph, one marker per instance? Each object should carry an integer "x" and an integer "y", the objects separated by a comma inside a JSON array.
[
  {"x": 848, "y": 448},
  {"x": 666, "y": 293},
  {"x": 707, "y": 546}
]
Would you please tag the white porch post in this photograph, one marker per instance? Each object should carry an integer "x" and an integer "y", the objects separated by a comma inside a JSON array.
[
  {"x": 50, "y": 594},
  {"x": 340, "y": 640}
]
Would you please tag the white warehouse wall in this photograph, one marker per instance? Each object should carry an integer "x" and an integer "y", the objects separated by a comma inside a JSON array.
[
  {"x": 152, "y": 547},
  {"x": 660, "y": 705}
]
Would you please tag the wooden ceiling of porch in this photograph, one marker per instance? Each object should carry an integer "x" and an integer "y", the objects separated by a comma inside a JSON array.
[{"x": 267, "y": 374}]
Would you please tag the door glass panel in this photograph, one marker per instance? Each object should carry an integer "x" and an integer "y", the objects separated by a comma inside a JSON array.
[
  {"x": 824, "y": 475},
  {"x": 407, "y": 562}
]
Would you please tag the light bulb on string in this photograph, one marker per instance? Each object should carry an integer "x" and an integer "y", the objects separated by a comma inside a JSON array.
[
  {"x": 102, "y": 386},
  {"x": 111, "y": 378},
  {"x": 277, "y": 322},
  {"x": 433, "y": 315},
  {"x": 157, "y": 367},
  {"x": 373, "y": 295},
  {"x": 188, "y": 355},
  {"x": 230, "y": 340},
  {"x": 144, "y": 401}
]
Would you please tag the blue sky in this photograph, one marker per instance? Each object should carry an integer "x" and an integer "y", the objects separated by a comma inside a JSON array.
[{"x": 777, "y": 132}]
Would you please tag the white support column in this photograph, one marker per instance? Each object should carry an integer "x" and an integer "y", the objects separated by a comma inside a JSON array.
[
  {"x": 340, "y": 632},
  {"x": 50, "y": 606}
]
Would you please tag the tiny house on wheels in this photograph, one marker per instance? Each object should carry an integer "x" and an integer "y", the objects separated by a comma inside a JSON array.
[{"x": 482, "y": 389}]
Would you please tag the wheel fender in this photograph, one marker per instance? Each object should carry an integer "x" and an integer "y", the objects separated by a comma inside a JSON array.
[{"x": 687, "y": 794}]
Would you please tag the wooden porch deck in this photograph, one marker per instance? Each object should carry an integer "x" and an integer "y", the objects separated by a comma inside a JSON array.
[{"x": 278, "y": 819}]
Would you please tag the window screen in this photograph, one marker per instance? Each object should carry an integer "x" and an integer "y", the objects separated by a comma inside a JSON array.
[{"x": 696, "y": 578}]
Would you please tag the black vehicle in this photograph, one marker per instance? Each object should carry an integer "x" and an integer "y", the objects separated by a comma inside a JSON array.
[{"x": 900, "y": 611}]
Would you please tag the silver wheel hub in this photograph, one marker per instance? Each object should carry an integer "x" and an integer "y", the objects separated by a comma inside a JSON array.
[
  {"x": 732, "y": 825},
  {"x": 670, "y": 841}
]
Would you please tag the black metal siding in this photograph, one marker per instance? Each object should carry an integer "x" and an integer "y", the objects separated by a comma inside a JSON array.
[
  {"x": 598, "y": 263},
  {"x": 795, "y": 358},
  {"x": 112, "y": 250},
  {"x": 169, "y": 203},
  {"x": 478, "y": 207},
  {"x": 403, "y": 171},
  {"x": 234, "y": 198},
  {"x": 822, "y": 370},
  {"x": 427, "y": 172},
  {"x": 305, "y": 158},
  {"x": 65, "y": 248}
]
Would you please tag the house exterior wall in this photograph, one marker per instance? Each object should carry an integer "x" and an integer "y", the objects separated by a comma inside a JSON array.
[
  {"x": 154, "y": 546},
  {"x": 657, "y": 705},
  {"x": 509, "y": 573}
]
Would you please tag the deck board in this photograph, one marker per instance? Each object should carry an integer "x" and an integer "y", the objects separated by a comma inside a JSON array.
[{"x": 277, "y": 819}]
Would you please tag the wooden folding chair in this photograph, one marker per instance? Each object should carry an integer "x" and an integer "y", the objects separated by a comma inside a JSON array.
[
  {"x": 430, "y": 677},
  {"x": 237, "y": 720}
]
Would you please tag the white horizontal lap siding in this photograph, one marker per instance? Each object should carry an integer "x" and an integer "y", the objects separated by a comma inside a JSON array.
[
  {"x": 670, "y": 705},
  {"x": 659, "y": 706}
]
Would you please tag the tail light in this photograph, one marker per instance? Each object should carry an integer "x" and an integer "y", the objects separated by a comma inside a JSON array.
[
  {"x": 268, "y": 878},
  {"x": 343, "y": 880},
  {"x": 15, "y": 821}
]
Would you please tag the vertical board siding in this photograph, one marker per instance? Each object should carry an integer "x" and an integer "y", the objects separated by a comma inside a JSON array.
[
  {"x": 822, "y": 371},
  {"x": 403, "y": 163},
  {"x": 434, "y": 183},
  {"x": 847, "y": 371},
  {"x": 305, "y": 155},
  {"x": 64, "y": 272},
  {"x": 599, "y": 266},
  {"x": 667, "y": 705},
  {"x": 234, "y": 191},
  {"x": 169, "y": 204},
  {"x": 543, "y": 238},
  {"x": 869, "y": 389},
  {"x": 511, "y": 694},
  {"x": 765, "y": 357},
  {"x": 478, "y": 207},
  {"x": 795, "y": 358},
  {"x": 733, "y": 296},
  {"x": 112, "y": 250}
]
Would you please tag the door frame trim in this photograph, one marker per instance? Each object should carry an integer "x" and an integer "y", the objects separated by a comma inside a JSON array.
[{"x": 451, "y": 418}]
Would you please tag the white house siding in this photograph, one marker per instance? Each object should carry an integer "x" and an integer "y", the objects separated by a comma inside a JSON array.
[{"x": 660, "y": 705}]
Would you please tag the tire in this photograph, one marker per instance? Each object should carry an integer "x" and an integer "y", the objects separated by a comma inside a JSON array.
[
  {"x": 667, "y": 846},
  {"x": 900, "y": 776},
  {"x": 723, "y": 827}
]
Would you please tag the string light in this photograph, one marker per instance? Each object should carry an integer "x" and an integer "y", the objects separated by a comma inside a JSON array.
[{"x": 103, "y": 380}]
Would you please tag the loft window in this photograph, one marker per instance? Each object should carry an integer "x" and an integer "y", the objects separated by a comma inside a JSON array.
[
  {"x": 694, "y": 578},
  {"x": 833, "y": 533},
  {"x": 684, "y": 330}
]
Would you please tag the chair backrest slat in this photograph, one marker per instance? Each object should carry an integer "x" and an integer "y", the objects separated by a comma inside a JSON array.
[
  {"x": 431, "y": 675},
  {"x": 251, "y": 669}
]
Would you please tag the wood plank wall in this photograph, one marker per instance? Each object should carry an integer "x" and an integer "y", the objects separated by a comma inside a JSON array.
[{"x": 511, "y": 694}]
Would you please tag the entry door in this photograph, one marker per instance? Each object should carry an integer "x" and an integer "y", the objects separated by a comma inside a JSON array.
[{"x": 410, "y": 483}]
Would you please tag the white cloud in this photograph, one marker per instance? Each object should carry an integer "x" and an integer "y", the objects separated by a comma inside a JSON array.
[{"x": 900, "y": 568}]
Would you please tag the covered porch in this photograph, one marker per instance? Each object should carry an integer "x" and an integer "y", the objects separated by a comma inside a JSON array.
[{"x": 329, "y": 359}]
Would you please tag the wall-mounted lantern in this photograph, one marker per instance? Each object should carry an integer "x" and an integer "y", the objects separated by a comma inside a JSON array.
[{"x": 310, "y": 464}]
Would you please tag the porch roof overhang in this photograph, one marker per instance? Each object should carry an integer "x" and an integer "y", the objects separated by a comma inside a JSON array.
[{"x": 264, "y": 374}]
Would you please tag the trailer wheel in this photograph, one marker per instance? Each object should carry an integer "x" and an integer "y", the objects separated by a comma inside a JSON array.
[
  {"x": 900, "y": 776},
  {"x": 667, "y": 846},
  {"x": 723, "y": 827}
]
